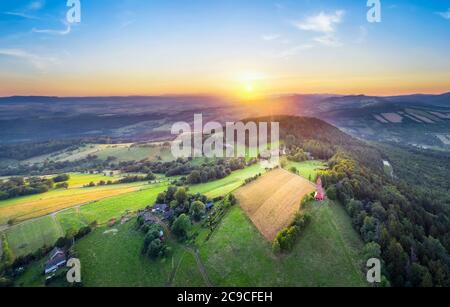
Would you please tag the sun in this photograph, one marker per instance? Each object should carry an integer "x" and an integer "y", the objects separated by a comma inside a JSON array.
[{"x": 249, "y": 88}]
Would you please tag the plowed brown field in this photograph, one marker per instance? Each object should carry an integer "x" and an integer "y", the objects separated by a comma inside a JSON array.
[{"x": 272, "y": 201}]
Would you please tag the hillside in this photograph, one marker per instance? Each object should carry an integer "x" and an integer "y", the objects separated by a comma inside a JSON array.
[{"x": 420, "y": 120}]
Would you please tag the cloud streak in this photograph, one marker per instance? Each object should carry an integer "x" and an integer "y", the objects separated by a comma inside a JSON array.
[
  {"x": 323, "y": 22},
  {"x": 25, "y": 13},
  {"x": 37, "y": 61},
  {"x": 65, "y": 31},
  {"x": 445, "y": 15},
  {"x": 293, "y": 51},
  {"x": 270, "y": 37},
  {"x": 22, "y": 15}
]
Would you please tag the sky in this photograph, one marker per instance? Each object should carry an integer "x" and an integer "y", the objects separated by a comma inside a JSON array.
[{"x": 244, "y": 48}]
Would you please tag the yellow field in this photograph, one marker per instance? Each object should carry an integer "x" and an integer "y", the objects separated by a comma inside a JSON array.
[
  {"x": 272, "y": 201},
  {"x": 24, "y": 208}
]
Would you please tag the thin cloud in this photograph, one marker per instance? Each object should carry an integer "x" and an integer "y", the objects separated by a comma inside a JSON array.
[
  {"x": 445, "y": 15},
  {"x": 270, "y": 37},
  {"x": 36, "y": 5},
  {"x": 294, "y": 51},
  {"x": 39, "y": 62},
  {"x": 30, "y": 8},
  {"x": 328, "y": 40},
  {"x": 22, "y": 15},
  {"x": 323, "y": 22},
  {"x": 65, "y": 31}
]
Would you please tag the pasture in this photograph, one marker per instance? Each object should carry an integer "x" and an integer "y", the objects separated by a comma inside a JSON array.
[
  {"x": 29, "y": 236},
  {"x": 228, "y": 184},
  {"x": 115, "y": 260},
  {"x": 272, "y": 201},
  {"x": 307, "y": 169},
  {"x": 326, "y": 254},
  {"x": 121, "y": 152},
  {"x": 78, "y": 180}
]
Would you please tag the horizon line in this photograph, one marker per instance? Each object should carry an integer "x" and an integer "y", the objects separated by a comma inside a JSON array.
[{"x": 222, "y": 96}]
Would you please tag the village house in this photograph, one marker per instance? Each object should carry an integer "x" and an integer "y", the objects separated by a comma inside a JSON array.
[
  {"x": 320, "y": 193},
  {"x": 209, "y": 206},
  {"x": 57, "y": 258}
]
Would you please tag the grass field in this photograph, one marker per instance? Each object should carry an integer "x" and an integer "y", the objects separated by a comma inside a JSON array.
[
  {"x": 115, "y": 260},
  {"x": 27, "y": 207},
  {"x": 327, "y": 253},
  {"x": 272, "y": 201},
  {"x": 307, "y": 169},
  {"x": 99, "y": 210},
  {"x": 78, "y": 180},
  {"x": 122, "y": 152},
  {"x": 228, "y": 184},
  {"x": 30, "y": 236}
]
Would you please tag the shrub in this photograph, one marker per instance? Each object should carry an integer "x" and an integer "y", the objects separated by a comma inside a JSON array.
[
  {"x": 197, "y": 210},
  {"x": 287, "y": 237},
  {"x": 181, "y": 226},
  {"x": 61, "y": 178}
]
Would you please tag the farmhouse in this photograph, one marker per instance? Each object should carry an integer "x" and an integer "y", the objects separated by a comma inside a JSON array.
[
  {"x": 209, "y": 206},
  {"x": 320, "y": 193},
  {"x": 57, "y": 258}
]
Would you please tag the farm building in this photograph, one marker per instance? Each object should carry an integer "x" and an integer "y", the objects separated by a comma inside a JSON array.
[
  {"x": 209, "y": 206},
  {"x": 57, "y": 258},
  {"x": 320, "y": 193}
]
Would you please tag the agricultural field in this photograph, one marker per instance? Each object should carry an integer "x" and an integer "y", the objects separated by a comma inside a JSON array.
[
  {"x": 77, "y": 215},
  {"x": 307, "y": 169},
  {"x": 122, "y": 152},
  {"x": 272, "y": 201},
  {"x": 29, "y": 236},
  {"x": 78, "y": 180},
  {"x": 27, "y": 207}
]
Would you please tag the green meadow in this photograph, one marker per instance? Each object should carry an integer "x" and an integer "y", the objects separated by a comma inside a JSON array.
[
  {"x": 228, "y": 184},
  {"x": 326, "y": 254},
  {"x": 307, "y": 169}
]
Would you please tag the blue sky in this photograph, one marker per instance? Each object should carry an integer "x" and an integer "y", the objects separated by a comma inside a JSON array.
[{"x": 223, "y": 46}]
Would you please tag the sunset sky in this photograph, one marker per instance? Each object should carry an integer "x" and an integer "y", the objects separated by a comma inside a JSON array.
[{"x": 224, "y": 47}]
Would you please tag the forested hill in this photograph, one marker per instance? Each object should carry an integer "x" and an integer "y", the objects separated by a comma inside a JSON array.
[
  {"x": 323, "y": 140},
  {"x": 405, "y": 220}
]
